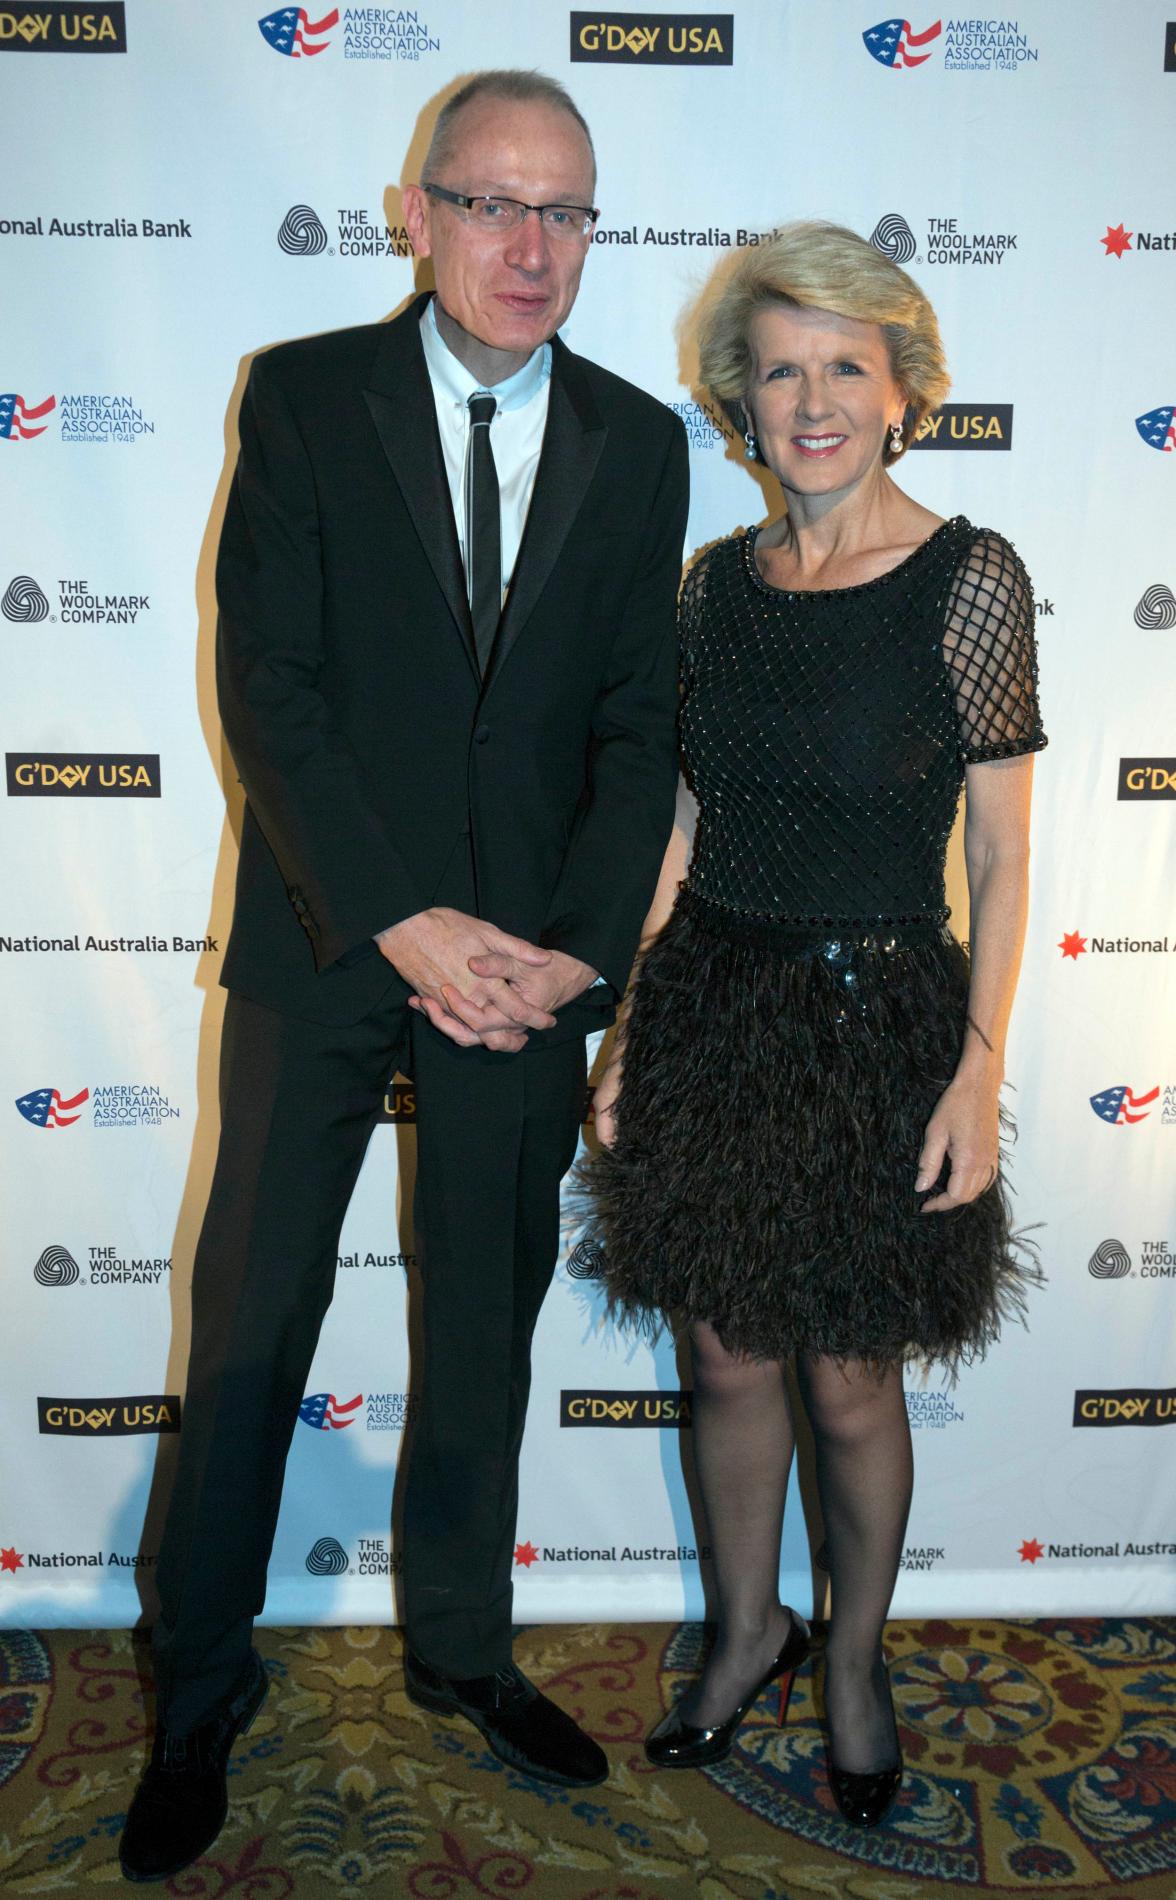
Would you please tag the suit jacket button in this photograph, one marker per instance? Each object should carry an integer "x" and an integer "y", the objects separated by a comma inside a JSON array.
[{"x": 481, "y": 734}]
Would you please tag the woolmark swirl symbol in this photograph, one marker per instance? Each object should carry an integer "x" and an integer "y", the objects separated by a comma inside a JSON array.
[
  {"x": 302, "y": 232},
  {"x": 893, "y": 236},
  {"x": 586, "y": 1261},
  {"x": 1157, "y": 607},
  {"x": 1110, "y": 1261},
  {"x": 327, "y": 1558},
  {"x": 23, "y": 600},
  {"x": 56, "y": 1267}
]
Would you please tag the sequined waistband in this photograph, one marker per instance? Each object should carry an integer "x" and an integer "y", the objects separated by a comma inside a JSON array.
[{"x": 836, "y": 939}]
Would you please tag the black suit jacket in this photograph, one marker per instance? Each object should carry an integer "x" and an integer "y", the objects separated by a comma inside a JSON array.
[{"x": 368, "y": 746}]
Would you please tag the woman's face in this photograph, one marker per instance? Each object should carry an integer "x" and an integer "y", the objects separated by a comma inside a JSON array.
[{"x": 822, "y": 397}]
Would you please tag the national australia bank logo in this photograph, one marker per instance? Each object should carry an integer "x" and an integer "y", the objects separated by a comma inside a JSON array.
[
  {"x": 302, "y": 232},
  {"x": 291, "y": 32},
  {"x": 894, "y": 43},
  {"x": 1157, "y": 427}
]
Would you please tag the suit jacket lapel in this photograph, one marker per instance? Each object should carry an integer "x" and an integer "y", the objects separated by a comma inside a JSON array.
[
  {"x": 399, "y": 397},
  {"x": 572, "y": 445}
]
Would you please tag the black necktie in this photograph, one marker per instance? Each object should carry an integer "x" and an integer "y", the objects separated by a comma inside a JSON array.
[{"x": 483, "y": 530}]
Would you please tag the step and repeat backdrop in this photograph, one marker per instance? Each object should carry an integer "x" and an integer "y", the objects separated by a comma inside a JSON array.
[{"x": 183, "y": 186}]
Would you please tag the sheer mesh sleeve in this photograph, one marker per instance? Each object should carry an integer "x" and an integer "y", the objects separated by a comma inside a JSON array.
[
  {"x": 690, "y": 603},
  {"x": 991, "y": 654}
]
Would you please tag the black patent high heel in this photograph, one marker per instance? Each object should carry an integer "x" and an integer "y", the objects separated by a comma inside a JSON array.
[
  {"x": 865, "y": 1800},
  {"x": 678, "y": 1744}
]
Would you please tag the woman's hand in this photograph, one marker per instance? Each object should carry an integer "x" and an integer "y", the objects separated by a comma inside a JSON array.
[
  {"x": 965, "y": 1129},
  {"x": 604, "y": 1098}
]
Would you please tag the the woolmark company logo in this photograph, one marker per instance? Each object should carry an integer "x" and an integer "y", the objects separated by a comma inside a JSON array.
[
  {"x": 78, "y": 604},
  {"x": 109, "y": 1418},
  {"x": 1156, "y": 608},
  {"x": 654, "y": 39},
  {"x": 58, "y": 26},
  {"x": 326, "y": 1558},
  {"x": 23, "y": 601},
  {"x": 302, "y": 233},
  {"x": 57, "y": 1267},
  {"x": 1109, "y": 1261},
  {"x": 967, "y": 425},
  {"x": 947, "y": 240},
  {"x": 83, "y": 774}
]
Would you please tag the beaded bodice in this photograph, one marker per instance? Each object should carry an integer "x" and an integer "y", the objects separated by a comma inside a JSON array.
[{"x": 826, "y": 733}]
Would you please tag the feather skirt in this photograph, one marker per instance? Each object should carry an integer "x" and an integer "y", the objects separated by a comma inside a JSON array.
[{"x": 768, "y": 1128}]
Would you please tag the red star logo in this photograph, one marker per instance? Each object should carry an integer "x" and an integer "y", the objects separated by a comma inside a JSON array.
[
  {"x": 1072, "y": 945},
  {"x": 1117, "y": 240},
  {"x": 11, "y": 1560},
  {"x": 1030, "y": 1551},
  {"x": 526, "y": 1555}
]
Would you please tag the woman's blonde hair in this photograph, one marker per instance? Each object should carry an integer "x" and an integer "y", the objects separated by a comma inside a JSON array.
[{"x": 822, "y": 266}]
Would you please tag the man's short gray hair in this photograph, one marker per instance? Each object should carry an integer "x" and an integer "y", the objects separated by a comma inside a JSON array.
[{"x": 517, "y": 86}]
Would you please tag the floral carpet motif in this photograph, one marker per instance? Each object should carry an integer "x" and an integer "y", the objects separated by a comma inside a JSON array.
[{"x": 1041, "y": 1758}]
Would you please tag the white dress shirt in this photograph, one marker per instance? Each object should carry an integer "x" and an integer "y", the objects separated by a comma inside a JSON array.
[{"x": 516, "y": 432}]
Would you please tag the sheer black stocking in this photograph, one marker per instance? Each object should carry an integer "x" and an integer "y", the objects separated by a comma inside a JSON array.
[
  {"x": 864, "y": 1473},
  {"x": 743, "y": 1443},
  {"x": 743, "y": 1446}
]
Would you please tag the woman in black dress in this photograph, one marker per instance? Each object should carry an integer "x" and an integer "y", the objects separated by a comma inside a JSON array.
[{"x": 801, "y": 1122}]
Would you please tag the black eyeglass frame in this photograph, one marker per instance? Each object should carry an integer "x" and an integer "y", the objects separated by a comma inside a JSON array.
[{"x": 589, "y": 212}]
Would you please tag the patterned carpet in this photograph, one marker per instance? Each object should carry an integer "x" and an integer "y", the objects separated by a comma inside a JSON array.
[{"x": 1041, "y": 1759}]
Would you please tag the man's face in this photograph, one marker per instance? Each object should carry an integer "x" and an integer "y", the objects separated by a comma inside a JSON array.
[{"x": 512, "y": 289}]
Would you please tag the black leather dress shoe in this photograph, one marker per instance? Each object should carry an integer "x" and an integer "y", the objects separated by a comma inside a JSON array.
[
  {"x": 180, "y": 1805},
  {"x": 524, "y": 1728}
]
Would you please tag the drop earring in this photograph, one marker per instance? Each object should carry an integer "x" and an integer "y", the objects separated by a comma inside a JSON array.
[
  {"x": 752, "y": 449},
  {"x": 895, "y": 439}
]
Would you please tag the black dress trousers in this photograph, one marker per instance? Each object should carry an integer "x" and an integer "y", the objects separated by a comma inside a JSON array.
[{"x": 299, "y": 1100}]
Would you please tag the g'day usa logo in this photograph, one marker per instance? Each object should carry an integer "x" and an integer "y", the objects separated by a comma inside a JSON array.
[
  {"x": 109, "y": 1418},
  {"x": 961, "y": 46},
  {"x": 302, "y": 233},
  {"x": 653, "y": 39},
  {"x": 82, "y": 774},
  {"x": 57, "y": 26},
  {"x": 369, "y": 33},
  {"x": 946, "y": 241},
  {"x": 967, "y": 425}
]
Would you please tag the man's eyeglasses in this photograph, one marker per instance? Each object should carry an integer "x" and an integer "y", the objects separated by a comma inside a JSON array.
[{"x": 506, "y": 214}]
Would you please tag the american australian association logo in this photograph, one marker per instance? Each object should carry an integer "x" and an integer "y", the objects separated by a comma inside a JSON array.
[
  {"x": 964, "y": 45},
  {"x": 92, "y": 416},
  {"x": 369, "y": 33},
  {"x": 107, "y": 1105}
]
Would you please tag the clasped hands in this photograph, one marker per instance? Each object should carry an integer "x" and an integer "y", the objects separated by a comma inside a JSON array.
[{"x": 478, "y": 984}]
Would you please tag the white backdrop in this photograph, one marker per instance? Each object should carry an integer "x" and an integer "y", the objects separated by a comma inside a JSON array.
[{"x": 170, "y": 208}]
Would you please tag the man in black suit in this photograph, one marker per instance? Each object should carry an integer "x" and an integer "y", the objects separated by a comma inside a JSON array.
[{"x": 456, "y": 811}]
